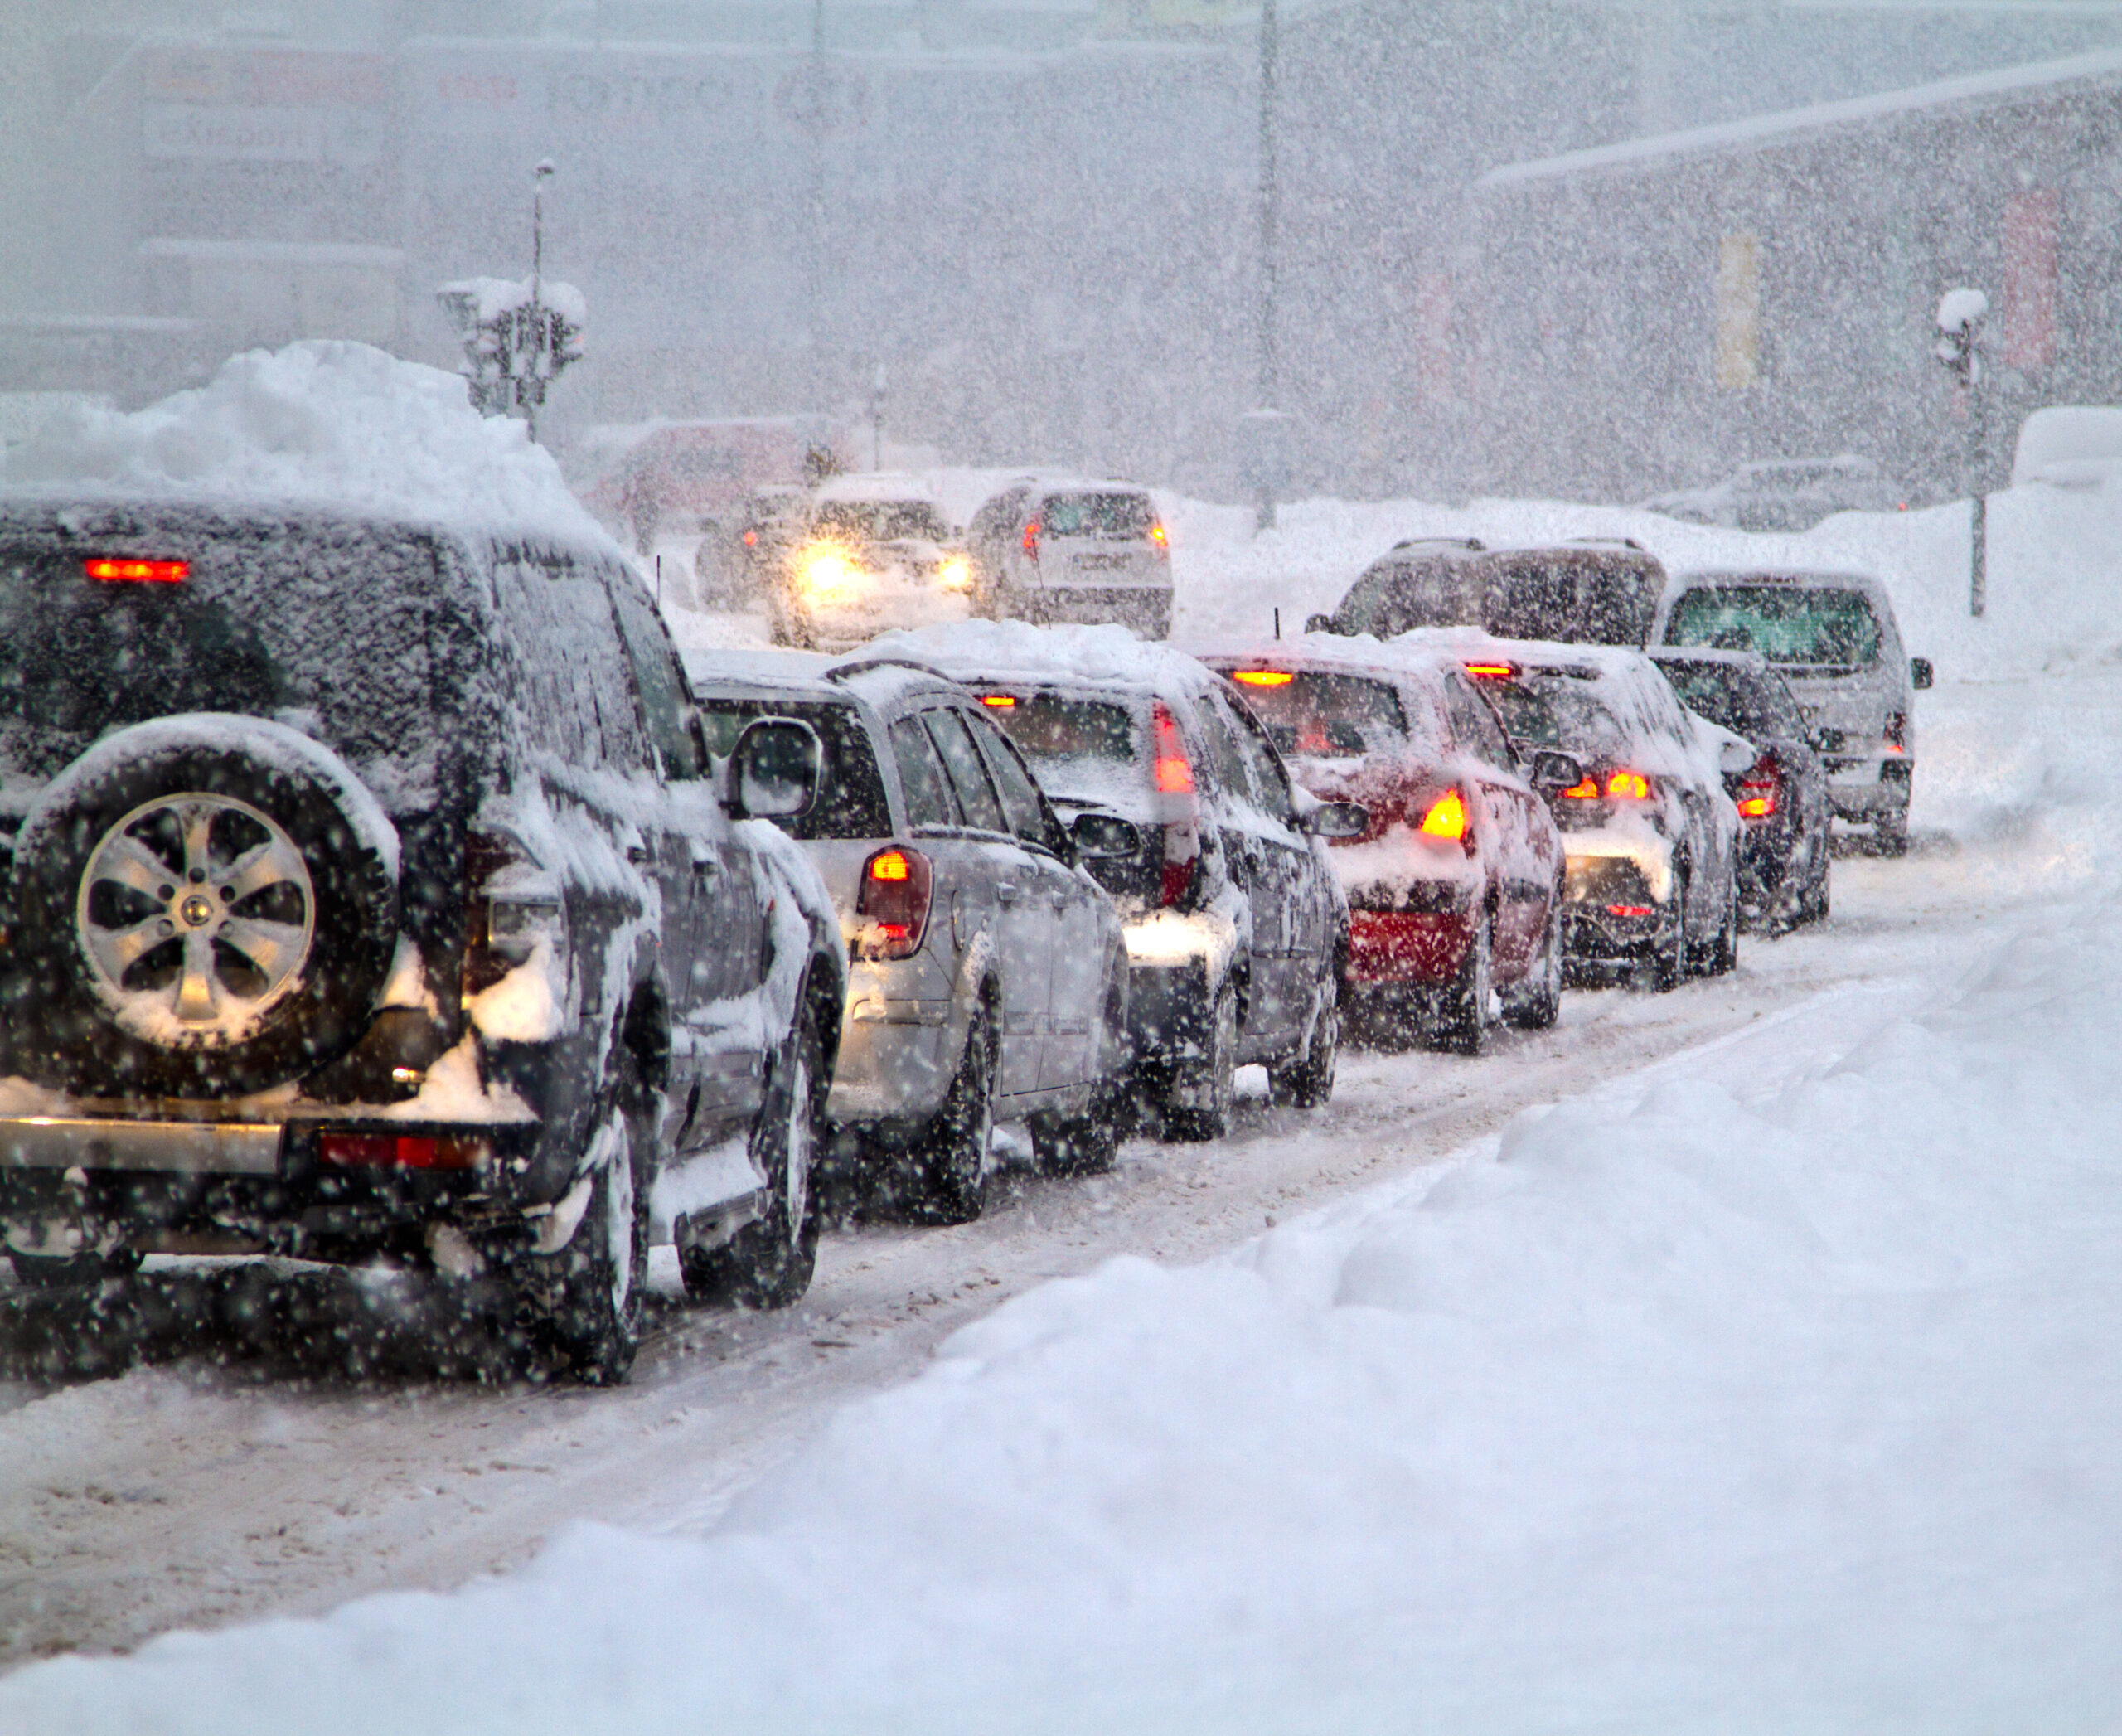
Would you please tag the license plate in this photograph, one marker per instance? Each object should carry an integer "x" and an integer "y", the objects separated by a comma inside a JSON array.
[{"x": 1103, "y": 563}]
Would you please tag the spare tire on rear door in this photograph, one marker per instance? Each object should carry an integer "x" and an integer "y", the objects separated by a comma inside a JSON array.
[{"x": 204, "y": 906}]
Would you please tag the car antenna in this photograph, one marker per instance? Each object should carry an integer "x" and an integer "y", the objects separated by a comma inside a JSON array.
[{"x": 1278, "y": 626}]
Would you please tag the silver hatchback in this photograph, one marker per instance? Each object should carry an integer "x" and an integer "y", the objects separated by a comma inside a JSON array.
[
  {"x": 1834, "y": 637},
  {"x": 988, "y": 978},
  {"x": 1083, "y": 552}
]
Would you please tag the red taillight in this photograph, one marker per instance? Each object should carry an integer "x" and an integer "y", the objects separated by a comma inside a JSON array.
[
  {"x": 1031, "y": 540},
  {"x": 1177, "y": 879},
  {"x": 1262, "y": 677},
  {"x": 1446, "y": 817},
  {"x": 402, "y": 1151},
  {"x": 1896, "y": 740},
  {"x": 1175, "y": 770},
  {"x": 1628, "y": 910},
  {"x": 1000, "y": 702},
  {"x": 893, "y": 905},
  {"x": 1493, "y": 671},
  {"x": 751, "y": 539},
  {"x": 1585, "y": 790},
  {"x": 1158, "y": 537},
  {"x": 106, "y": 571},
  {"x": 1629, "y": 786},
  {"x": 1761, "y": 791}
]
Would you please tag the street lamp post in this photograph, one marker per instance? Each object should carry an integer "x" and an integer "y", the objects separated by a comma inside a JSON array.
[
  {"x": 1960, "y": 314},
  {"x": 539, "y": 176},
  {"x": 1263, "y": 427}
]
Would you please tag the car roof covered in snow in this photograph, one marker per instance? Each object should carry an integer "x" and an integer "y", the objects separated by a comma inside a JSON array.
[
  {"x": 1102, "y": 656},
  {"x": 1797, "y": 578},
  {"x": 1356, "y": 654}
]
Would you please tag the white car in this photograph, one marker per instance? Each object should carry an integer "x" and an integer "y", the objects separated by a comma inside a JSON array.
[{"x": 1084, "y": 552}]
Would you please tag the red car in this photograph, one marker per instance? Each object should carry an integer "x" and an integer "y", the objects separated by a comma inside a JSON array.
[{"x": 1455, "y": 886}]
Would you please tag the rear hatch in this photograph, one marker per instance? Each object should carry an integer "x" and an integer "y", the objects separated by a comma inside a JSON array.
[{"x": 1103, "y": 537}]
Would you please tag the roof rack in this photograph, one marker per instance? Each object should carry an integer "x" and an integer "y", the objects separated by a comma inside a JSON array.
[
  {"x": 841, "y": 671},
  {"x": 1473, "y": 543},
  {"x": 1625, "y": 542}
]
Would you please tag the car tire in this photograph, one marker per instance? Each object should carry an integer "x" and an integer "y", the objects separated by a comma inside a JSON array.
[
  {"x": 1890, "y": 833},
  {"x": 1462, "y": 1022},
  {"x": 1669, "y": 965},
  {"x": 1307, "y": 1081},
  {"x": 1537, "y": 1003},
  {"x": 1211, "y": 1081},
  {"x": 61, "y": 1272},
  {"x": 587, "y": 1301},
  {"x": 950, "y": 1159},
  {"x": 770, "y": 1262},
  {"x": 1082, "y": 1145},
  {"x": 1724, "y": 950},
  {"x": 1817, "y": 902},
  {"x": 277, "y": 808}
]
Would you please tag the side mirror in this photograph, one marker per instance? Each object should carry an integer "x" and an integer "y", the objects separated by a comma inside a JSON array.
[
  {"x": 1319, "y": 623},
  {"x": 1099, "y": 836},
  {"x": 774, "y": 769},
  {"x": 1553, "y": 770},
  {"x": 1919, "y": 673},
  {"x": 1338, "y": 820},
  {"x": 1736, "y": 757}
]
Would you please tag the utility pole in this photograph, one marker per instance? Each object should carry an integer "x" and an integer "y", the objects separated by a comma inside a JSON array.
[
  {"x": 539, "y": 176},
  {"x": 1960, "y": 314}
]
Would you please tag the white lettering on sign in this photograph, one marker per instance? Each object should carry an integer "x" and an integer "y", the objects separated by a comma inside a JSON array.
[{"x": 250, "y": 134}]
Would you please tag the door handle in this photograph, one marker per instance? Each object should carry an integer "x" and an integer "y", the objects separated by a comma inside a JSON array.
[
  {"x": 1006, "y": 892},
  {"x": 637, "y": 854}
]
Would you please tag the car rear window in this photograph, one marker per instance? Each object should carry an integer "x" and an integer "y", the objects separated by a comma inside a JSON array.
[
  {"x": 1785, "y": 624},
  {"x": 350, "y": 627},
  {"x": 851, "y": 802},
  {"x": 1097, "y": 515},
  {"x": 883, "y": 521},
  {"x": 1048, "y": 727},
  {"x": 1559, "y": 711},
  {"x": 1737, "y": 699},
  {"x": 1398, "y": 596},
  {"x": 1315, "y": 715},
  {"x": 1573, "y": 599}
]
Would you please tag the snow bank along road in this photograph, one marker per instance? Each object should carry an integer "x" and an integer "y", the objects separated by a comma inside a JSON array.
[{"x": 283, "y": 1453}]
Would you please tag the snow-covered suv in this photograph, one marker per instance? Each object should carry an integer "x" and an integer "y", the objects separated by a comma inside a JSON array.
[{"x": 368, "y": 890}]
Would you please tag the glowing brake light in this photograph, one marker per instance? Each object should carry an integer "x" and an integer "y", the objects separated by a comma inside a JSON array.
[
  {"x": 1629, "y": 786},
  {"x": 1158, "y": 537},
  {"x": 1761, "y": 792},
  {"x": 1000, "y": 702},
  {"x": 1446, "y": 817},
  {"x": 1262, "y": 677},
  {"x": 751, "y": 539},
  {"x": 1174, "y": 771},
  {"x": 1586, "y": 791},
  {"x": 1628, "y": 910},
  {"x": 893, "y": 905},
  {"x": 1896, "y": 733},
  {"x": 1031, "y": 538},
  {"x": 108, "y": 571},
  {"x": 1493, "y": 671}
]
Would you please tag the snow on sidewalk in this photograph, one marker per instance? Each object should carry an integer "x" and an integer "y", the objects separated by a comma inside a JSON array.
[{"x": 1762, "y": 1410}]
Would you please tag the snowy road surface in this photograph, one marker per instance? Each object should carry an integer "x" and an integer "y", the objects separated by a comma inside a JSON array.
[{"x": 191, "y": 1494}]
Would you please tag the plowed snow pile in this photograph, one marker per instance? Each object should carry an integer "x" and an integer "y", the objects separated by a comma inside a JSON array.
[
  {"x": 339, "y": 424},
  {"x": 1701, "y": 1412}
]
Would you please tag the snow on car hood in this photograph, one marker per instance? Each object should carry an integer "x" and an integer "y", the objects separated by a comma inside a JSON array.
[{"x": 328, "y": 422}]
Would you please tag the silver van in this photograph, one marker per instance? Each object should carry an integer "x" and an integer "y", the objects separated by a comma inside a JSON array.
[
  {"x": 1072, "y": 551},
  {"x": 1834, "y": 636}
]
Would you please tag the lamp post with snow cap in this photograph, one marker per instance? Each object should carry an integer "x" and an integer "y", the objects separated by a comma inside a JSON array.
[
  {"x": 1960, "y": 314},
  {"x": 517, "y": 337}
]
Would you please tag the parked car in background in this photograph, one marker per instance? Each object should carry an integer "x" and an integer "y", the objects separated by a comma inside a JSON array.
[
  {"x": 1789, "y": 494},
  {"x": 1784, "y": 814},
  {"x": 395, "y": 917},
  {"x": 1454, "y": 884},
  {"x": 1834, "y": 638},
  {"x": 1650, "y": 835},
  {"x": 989, "y": 978},
  {"x": 876, "y": 553},
  {"x": 1237, "y": 932},
  {"x": 1591, "y": 591},
  {"x": 1084, "y": 551},
  {"x": 649, "y": 479}
]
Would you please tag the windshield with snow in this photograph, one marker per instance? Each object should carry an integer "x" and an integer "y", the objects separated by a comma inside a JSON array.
[
  {"x": 338, "y": 629},
  {"x": 881, "y": 521},
  {"x": 1784, "y": 624}
]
